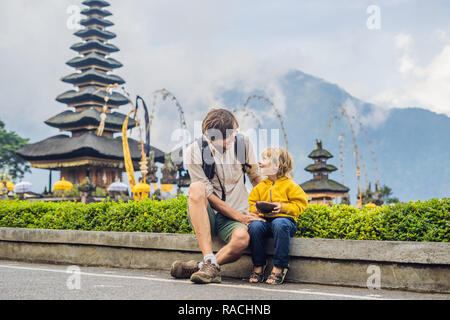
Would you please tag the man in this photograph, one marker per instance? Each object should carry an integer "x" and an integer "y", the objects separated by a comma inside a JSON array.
[{"x": 218, "y": 205}]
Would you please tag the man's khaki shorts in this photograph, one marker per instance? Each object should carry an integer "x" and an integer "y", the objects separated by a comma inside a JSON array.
[{"x": 221, "y": 225}]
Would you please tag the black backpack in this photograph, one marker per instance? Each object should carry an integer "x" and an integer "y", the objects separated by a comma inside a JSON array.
[{"x": 209, "y": 165}]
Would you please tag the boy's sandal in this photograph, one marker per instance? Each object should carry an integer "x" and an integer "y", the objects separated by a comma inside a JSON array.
[
  {"x": 278, "y": 277},
  {"x": 258, "y": 276}
]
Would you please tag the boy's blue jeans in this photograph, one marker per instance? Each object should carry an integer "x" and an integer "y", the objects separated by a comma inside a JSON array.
[{"x": 281, "y": 229}]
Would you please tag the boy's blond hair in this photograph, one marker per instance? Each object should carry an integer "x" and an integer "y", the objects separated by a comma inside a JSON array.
[{"x": 282, "y": 158}]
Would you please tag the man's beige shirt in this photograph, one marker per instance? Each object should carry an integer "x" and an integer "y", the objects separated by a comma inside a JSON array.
[{"x": 228, "y": 170}]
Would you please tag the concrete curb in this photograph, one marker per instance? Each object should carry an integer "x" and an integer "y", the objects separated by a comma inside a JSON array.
[{"x": 417, "y": 266}]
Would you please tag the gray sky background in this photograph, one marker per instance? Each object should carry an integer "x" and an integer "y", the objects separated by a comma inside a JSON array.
[{"x": 196, "y": 49}]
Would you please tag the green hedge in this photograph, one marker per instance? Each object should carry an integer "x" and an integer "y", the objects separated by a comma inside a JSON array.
[
  {"x": 413, "y": 221},
  {"x": 146, "y": 216}
]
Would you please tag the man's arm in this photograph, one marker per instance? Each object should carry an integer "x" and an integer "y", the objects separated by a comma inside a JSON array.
[
  {"x": 252, "y": 172},
  {"x": 193, "y": 162},
  {"x": 231, "y": 213},
  {"x": 256, "y": 180}
]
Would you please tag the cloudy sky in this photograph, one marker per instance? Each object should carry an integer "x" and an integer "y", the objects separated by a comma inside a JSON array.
[{"x": 395, "y": 53}]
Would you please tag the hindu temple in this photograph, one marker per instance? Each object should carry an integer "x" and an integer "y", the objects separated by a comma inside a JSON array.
[
  {"x": 88, "y": 146},
  {"x": 321, "y": 189}
]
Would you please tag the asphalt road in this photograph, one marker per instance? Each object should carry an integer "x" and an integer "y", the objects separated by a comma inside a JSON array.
[{"x": 19, "y": 281}]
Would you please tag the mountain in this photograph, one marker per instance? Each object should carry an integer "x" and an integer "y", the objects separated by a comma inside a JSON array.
[{"x": 409, "y": 147}]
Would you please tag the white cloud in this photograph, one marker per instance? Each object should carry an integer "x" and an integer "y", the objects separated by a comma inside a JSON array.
[
  {"x": 403, "y": 41},
  {"x": 432, "y": 89},
  {"x": 197, "y": 82},
  {"x": 407, "y": 64},
  {"x": 443, "y": 34},
  {"x": 424, "y": 86},
  {"x": 376, "y": 115},
  {"x": 198, "y": 49}
]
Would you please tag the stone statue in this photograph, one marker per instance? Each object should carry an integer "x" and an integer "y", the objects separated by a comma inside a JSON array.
[
  {"x": 3, "y": 190},
  {"x": 86, "y": 188},
  {"x": 152, "y": 168},
  {"x": 169, "y": 171}
]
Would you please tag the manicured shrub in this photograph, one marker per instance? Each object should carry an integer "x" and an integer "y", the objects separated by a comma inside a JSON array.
[{"x": 413, "y": 221}]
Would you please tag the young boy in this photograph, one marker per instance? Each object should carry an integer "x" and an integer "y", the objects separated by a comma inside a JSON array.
[{"x": 289, "y": 200}]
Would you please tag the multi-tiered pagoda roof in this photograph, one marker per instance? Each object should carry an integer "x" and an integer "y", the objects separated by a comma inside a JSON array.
[
  {"x": 322, "y": 189},
  {"x": 94, "y": 45},
  {"x": 88, "y": 119},
  {"x": 87, "y": 146}
]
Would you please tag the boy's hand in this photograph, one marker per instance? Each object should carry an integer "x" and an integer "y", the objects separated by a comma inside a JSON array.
[{"x": 277, "y": 209}]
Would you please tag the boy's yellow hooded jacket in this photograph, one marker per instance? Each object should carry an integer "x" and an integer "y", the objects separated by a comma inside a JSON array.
[{"x": 284, "y": 190}]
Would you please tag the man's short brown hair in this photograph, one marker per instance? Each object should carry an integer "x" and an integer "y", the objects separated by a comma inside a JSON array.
[{"x": 219, "y": 123}]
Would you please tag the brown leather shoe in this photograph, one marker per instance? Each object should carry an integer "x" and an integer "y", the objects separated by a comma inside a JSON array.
[
  {"x": 208, "y": 273},
  {"x": 183, "y": 270}
]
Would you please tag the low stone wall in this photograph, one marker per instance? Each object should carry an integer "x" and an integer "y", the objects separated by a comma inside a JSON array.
[{"x": 416, "y": 266}]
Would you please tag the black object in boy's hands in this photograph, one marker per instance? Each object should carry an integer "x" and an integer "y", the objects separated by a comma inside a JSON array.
[{"x": 265, "y": 207}]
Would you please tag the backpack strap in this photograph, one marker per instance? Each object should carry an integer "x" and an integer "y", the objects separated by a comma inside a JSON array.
[{"x": 208, "y": 163}]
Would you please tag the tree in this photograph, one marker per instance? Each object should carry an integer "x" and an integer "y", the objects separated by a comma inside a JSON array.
[
  {"x": 380, "y": 196},
  {"x": 386, "y": 194},
  {"x": 10, "y": 162}
]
